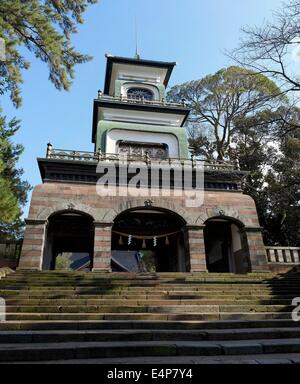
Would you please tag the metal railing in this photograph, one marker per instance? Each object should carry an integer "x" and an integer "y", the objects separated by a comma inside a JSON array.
[
  {"x": 140, "y": 100},
  {"x": 283, "y": 255},
  {"x": 10, "y": 249},
  {"x": 71, "y": 155}
]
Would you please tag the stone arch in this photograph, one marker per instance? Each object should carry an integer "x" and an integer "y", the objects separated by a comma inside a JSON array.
[
  {"x": 232, "y": 219},
  {"x": 74, "y": 211},
  {"x": 71, "y": 205},
  {"x": 157, "y": 232},
  {"x": 140, "y": 203},
  {"x": 225, "y": 212},
  {"x": 69, "y": 240}
]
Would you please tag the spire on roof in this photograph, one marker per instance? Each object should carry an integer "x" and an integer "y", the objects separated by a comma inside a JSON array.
[{"x": 137, "y": 55}]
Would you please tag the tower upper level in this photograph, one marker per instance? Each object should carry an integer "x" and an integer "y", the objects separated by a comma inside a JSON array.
[
  {"x": 132, "y": 112},
  {"x": 132, "y": 119},
  {"x": 136, "y": 78}
]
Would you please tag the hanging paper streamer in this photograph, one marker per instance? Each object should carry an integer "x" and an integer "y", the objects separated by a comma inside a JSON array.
[
  {"x": 144, "y": 244},
  {"x": 129, "y": 239},
  {"x": 142, "y": 237},
  {"x": 120, "y": 240},
  {"x": 154, "y": 241},
  {"x": 167, "y": 242}
]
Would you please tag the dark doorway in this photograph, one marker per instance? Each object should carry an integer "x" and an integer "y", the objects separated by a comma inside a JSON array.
[
  {"x": 70, "y": 242},
  {"x": 226, "y": 246},
  {"x": 148, "y": 240},
  {"x": 217, "y": 235}
]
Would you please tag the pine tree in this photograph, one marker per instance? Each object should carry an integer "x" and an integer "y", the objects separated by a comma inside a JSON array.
[
  {"x": 13, "y": 191},
  {"x": 45, "y": 28}
]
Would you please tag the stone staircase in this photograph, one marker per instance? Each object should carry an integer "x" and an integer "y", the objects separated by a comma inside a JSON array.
[{"x": 123, "y": 317}]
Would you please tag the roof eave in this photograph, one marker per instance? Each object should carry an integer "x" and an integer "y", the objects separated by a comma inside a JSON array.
[
  {"x": 154, "y": 108},
  {"x": 123, "y": 60}
]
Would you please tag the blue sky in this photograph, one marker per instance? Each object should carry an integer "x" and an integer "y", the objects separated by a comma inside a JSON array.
[{"x": 194, "y": 33}]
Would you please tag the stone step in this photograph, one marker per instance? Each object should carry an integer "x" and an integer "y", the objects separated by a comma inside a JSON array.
[
  {"x": 274, "y": 359},
  {"x": 81, "y": 350},
  {"x": 125, "y": 308},
  {"x": 145, "y": 324},
  {"x": 146, "y": 335},
  {"x": 123, "y": 277},
  {"x": 152, "y": 282},
  {"x": 77, "y": 301},
  {"x": 150, "y": 275},
  {"x": 153, "y": 293},
  {"x": 73, "y": 275},
  {"x": 183, "y": 316},
  {"x": 54, "y": 297},
  {"x": 158, "y": 290},
  {"x": 67, "y": 315},
  {"x": 126, "y": 282}
]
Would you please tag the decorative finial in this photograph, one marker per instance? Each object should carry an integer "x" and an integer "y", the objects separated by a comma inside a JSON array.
[
  {"x": 148, "y": 203},
  {"x": 71, "y": 206},
  {"x": 49, "y": 150},
  {"x": 136, "y": 56}
]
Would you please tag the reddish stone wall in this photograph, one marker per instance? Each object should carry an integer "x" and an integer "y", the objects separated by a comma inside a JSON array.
[
  {"x": 50, "y": 198},
  {"x": 33, "y": 245},
  {"x": 196, "y": 249},
  {"x": 102, "y": 247}
]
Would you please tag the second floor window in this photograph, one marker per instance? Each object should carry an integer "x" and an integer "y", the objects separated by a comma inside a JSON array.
[{"x": 139, "y": 94}]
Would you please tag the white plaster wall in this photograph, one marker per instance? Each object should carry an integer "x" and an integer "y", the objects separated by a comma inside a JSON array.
[
  {"x": 136, "y": 73},
  {"x": 236, "y": 238},
  {"x": 115, "y": 135},
  {"x": 143, "y": 117}
]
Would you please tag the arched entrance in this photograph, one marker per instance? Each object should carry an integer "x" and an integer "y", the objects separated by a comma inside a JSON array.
[
  {"x": 148, "y": 240},
  {"x": 226, "y": 246},
  {"x": 69, "y": 242}
]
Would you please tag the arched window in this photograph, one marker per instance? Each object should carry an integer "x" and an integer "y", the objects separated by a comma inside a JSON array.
[{"x": 140, "y": 94}]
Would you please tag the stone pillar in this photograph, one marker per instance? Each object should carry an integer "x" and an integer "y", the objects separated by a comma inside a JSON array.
[
  {"x": 33, "y": 245},
  {"x": 257, "y": 251},
  {"x": 102, "y": 247},
  {"x": 196, "y": 248}
]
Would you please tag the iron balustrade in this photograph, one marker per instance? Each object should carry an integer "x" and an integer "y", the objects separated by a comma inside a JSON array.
[
  {"x": 71, "y": 155},
  {"x": 140, "y": 100}
]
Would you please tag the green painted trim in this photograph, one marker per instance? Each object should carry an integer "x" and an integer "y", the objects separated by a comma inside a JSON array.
[
  {"x": 118, "y": 87},
  {"x": 104, "y": 127}
]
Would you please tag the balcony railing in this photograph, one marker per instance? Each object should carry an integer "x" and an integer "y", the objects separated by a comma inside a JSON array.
[
  {"x": 283, "y": 255},
  {"x": 95, "y": 157},
  {"x": 139, "y": 100}
]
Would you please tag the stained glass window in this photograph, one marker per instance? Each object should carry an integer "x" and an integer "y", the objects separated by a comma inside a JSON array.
[
  {"x": 155, "y": 151},
  {"x": 139, "y": 94}
]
